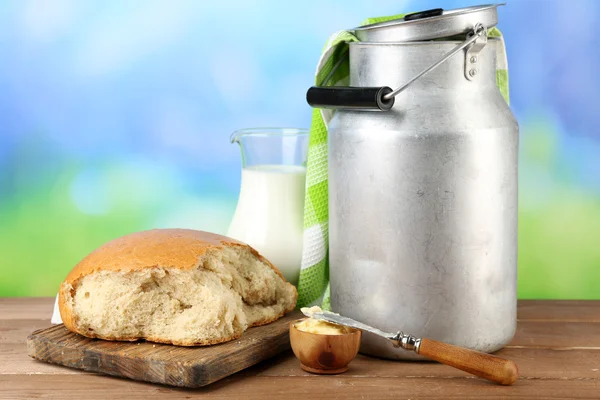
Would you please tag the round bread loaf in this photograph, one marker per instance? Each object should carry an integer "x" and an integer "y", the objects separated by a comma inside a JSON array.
[{"x": 177, "y": 286}]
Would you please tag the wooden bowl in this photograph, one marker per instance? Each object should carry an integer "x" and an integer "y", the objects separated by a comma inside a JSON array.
[{"x": 324, "y": 354}]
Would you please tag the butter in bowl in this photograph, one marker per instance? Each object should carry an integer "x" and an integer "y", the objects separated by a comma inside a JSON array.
[{"x": 323, "y": 347}]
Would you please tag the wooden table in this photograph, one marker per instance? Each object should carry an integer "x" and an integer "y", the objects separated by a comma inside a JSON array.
[{"x": 557, "y": 349}]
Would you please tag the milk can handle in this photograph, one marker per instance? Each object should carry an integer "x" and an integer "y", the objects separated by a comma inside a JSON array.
[
  {"x": 358, "y": 98},
  {"x": 376, "y": 98}
]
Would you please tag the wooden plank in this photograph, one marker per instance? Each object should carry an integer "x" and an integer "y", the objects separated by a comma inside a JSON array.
[
  {"x": 557, "y": 348},
  {"x": 559, "y": 310},
  {"x": 165, "y": 364},
  {"x": 545, "y": 334},
  {"x": 14, "y": 360},
  {"x": 532, "y": 363},
  {"x": 16, "y": 331},
  {"x": 12, "y": 308},
  {"x": 530, "y": 335},
  {"x": 306, "y": 387},
  {"x": 557, "y": 335}
]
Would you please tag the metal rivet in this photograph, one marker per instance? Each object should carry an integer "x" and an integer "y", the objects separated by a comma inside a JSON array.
[
  {"x": 473, "y": 59},
  {"x": 473, "y": 72}
]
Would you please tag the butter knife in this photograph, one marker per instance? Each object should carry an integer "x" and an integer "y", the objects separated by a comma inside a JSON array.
[{"x": 484, "y": 365}]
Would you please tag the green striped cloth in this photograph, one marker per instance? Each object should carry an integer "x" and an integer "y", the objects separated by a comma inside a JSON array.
[{"x": 313, "y": 286}]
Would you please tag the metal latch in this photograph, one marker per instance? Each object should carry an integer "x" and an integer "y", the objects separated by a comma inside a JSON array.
[{"x": 472, "y": 53}]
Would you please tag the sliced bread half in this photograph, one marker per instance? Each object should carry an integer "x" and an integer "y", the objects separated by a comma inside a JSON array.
[{"x": 178, "y": 286}]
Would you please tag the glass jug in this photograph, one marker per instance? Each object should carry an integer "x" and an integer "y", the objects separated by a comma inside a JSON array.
[{"x": 270, "y": 212}]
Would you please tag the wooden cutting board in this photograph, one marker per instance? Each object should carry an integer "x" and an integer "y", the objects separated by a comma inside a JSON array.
[{"x": 160, "y": 363}]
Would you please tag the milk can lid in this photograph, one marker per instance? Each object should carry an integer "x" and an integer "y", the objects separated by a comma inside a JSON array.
[{"x": 430, "y": 24}]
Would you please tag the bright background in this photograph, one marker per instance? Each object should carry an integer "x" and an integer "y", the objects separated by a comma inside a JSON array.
[{"x": 115, "y": 117}]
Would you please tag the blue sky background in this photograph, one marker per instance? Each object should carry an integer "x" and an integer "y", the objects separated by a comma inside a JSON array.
[{"x": 115, "y": 116}]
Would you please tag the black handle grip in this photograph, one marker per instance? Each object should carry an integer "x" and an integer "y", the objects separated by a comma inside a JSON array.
[
  {"x": 424, "y": 14},
  {"x": 342, "y": 97}
]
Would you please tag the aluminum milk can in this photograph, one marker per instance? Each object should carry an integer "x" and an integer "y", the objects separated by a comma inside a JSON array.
[{"x": 423, "y": 183}]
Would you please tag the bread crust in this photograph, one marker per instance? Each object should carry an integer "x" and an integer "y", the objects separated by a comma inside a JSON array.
[{"x": 165, "y": 248}]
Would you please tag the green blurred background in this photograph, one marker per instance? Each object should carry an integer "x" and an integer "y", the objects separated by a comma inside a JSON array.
[{"x": 115, "y": 117}]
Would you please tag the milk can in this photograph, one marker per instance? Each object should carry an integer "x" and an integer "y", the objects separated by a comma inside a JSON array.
[{"x": 423, "y": 183}]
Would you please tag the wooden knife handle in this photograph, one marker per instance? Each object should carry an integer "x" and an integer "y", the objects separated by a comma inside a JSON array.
[{"x": 490, "y": 367}]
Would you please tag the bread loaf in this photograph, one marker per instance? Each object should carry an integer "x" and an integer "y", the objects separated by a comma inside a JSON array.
[{"x": 177, "y": 286}]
